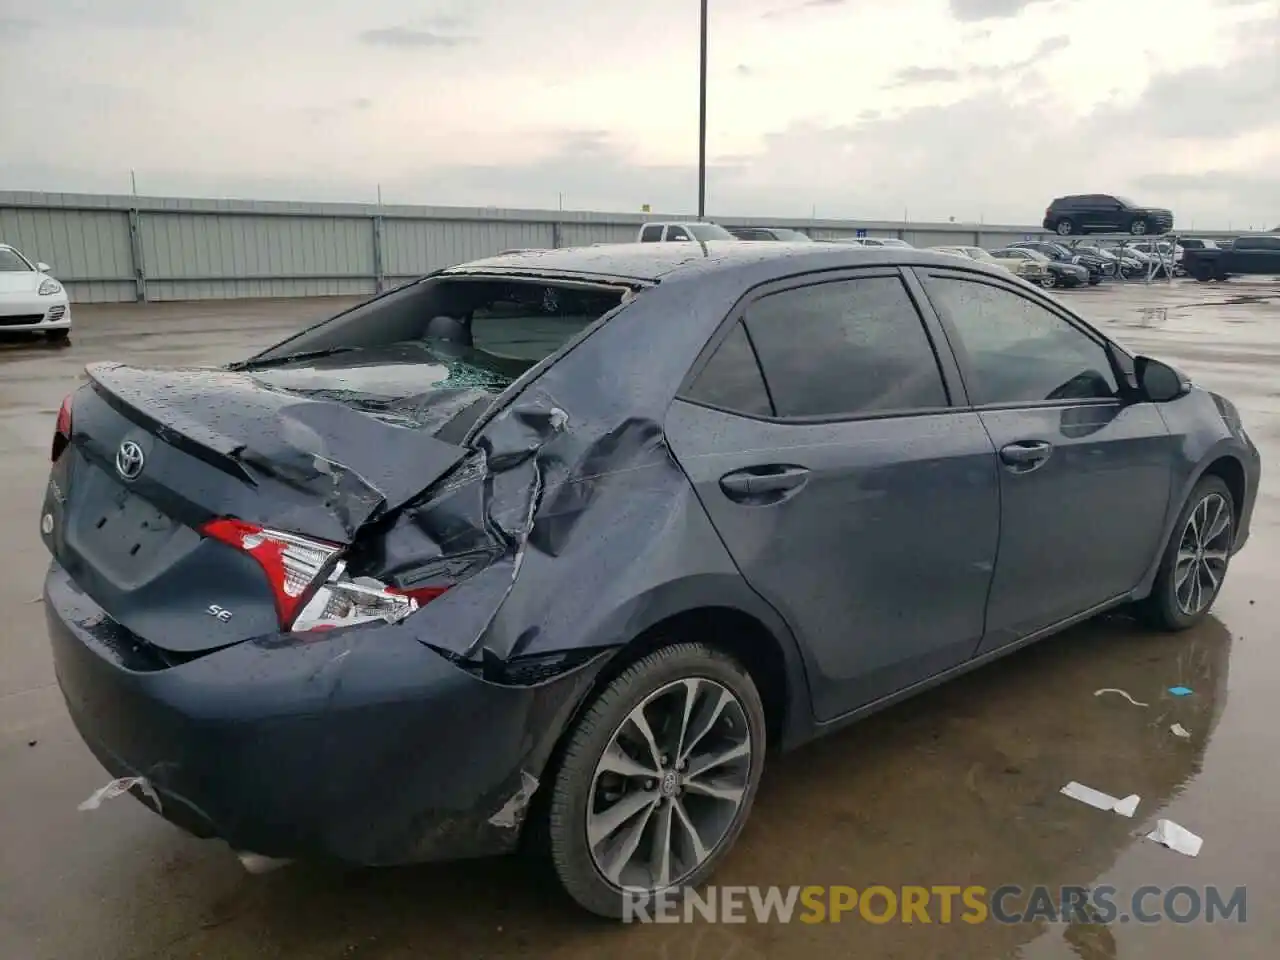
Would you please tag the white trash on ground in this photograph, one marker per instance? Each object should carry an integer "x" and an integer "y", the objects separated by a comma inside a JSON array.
[
  {"x": 1136, "y": 703},
  {"x": 1126, "y": 806},
  {"x": 119, "y": 787},
  {"x": 1176, "y": 837}
]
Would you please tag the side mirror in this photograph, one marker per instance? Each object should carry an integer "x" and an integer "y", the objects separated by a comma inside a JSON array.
[
  {"x": 1160, "y": 382},
  {"x": 43, "y": 267}
]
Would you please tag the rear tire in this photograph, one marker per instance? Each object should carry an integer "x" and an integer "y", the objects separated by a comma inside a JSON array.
[
  {"x": 1195, "y": 560},
  {"x": 1202, "y": 271},
  {"x": 607, "y": 815},
  {"x": 1049, "y": 282},
  {"x": 1064, "y": 227}
]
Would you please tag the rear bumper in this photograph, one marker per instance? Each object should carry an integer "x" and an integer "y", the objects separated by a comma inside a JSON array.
[{"x": 363, "y": 746}]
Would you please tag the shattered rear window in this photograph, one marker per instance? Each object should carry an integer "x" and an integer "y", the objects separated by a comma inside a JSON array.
[{"x": 488, "y": 332}]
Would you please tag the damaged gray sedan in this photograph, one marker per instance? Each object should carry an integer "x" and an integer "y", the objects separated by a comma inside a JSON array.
[{"x": 544, "y": 551}]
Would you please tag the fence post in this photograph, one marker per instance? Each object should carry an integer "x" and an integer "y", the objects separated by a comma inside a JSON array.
[
  {"x": 557, "y": 237},
  {"x": 378, "y": 275},
  {"x": 136, "y": 257}
]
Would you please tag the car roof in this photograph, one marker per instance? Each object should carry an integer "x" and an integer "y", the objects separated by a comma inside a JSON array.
[{"x": 653, "y": 262}]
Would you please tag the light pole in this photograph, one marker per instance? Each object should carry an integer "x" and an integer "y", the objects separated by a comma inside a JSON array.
[{"x": 702, "y": 118}]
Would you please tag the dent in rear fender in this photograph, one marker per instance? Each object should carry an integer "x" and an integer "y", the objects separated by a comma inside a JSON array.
[{"x": 606, "y": 538}]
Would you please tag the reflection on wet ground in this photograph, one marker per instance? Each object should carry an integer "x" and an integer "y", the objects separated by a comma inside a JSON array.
[{"x": 959, "y": 786}]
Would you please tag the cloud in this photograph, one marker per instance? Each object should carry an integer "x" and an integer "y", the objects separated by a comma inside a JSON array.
[
  {"x": 123, "y": 14},
  {"x": 801, "y": 8},
  {"x": 1223, "y": 189},
  {"x": 1208, "y": 102},
  {"x": 914, "y": 76},
  {"x": 972, "y": 11},
  {"x": 12, "y": 28},
  {"x": 911, "y": 76},
  {"x": 412, "y": 37}
]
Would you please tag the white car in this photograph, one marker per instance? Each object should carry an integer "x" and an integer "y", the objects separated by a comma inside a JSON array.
[
  {"x": 1028, "y": 269},
  {"x": 686, "y": 231},
  {"x": 31, "y": 301}
]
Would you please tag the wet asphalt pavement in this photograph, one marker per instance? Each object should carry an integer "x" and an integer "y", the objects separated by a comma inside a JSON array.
[{"x": 958, "y": 786}]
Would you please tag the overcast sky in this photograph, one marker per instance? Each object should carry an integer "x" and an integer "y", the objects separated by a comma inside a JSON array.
[{"x": 928, "y": 109}]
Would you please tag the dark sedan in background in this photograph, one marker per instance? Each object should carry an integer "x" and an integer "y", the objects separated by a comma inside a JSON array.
[{"x": 548, "y": 550}]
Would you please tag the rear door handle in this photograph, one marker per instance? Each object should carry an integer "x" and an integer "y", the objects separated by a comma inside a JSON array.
[
  {"x": 763, "y": 483},
  {"x": 1026, "y": 454}
]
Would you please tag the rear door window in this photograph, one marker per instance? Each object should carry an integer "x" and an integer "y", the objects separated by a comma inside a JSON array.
[
  {"x": 851, "y": 348},
  {"x": 731, "y": 379}
]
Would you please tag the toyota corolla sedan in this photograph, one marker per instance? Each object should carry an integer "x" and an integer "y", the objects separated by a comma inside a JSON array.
[
  {"x": 31, "y": 301},
  {"x": 550, "y": 550}
]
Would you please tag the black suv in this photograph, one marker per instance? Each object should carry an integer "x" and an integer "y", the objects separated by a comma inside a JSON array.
[{"x": 1104, "y": 213}]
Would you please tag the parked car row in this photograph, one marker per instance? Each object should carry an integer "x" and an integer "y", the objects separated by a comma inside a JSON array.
[
  {"x": 1050, "y": 262},
  {"x": 1031, "y": 267}
]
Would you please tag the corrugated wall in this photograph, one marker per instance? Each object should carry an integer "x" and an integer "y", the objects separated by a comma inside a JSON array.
[
  {"x": 123, "y": 248},
  {"x": 414, "y": 247},
  {"x": 89, "y": 248},
  {"x": 194, "y": 256}
]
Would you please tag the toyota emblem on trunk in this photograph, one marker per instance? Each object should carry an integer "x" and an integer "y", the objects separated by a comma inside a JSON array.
[{"x": 129, "y": 460}]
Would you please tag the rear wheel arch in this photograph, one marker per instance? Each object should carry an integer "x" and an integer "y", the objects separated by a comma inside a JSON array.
[
  {"x": 772, "y": 661},
  {"x": 729, "y": 630}
]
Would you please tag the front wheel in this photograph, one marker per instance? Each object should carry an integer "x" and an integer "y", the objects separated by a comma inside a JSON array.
[
  {"x": 1138, "y": 227},
  {"x": 1048, "y": 281},
  {"x": 657, "y": 779},
  {"x": 1195, "y": 560},
  {"x": 58, "y": 336}
]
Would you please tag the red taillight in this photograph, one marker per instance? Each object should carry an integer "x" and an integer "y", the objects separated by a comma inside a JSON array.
[
  {"x": 294, "y": 564},
  {"x": 291, "y": 563},
  {"x": 61, "y": 430},
  {"x": 423, "y": 595}
]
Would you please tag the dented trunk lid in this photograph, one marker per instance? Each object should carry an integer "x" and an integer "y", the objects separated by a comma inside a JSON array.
[{"x": 318, "y": 461}]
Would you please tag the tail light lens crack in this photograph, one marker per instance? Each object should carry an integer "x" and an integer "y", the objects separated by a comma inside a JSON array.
[{"x": 294, "y": 566}]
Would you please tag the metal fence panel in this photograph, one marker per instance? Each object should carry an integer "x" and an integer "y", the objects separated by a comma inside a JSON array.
[
  {"x": 414, "y": 247},
  {"x": 88, "y": 248}
]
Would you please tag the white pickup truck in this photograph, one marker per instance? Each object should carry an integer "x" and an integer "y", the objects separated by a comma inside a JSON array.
[{"x": 682, "y": 231}]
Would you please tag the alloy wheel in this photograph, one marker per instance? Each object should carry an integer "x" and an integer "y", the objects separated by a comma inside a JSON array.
[
  {"x": 1202, "y": 557},
  {"x": 669, "y": 785}
]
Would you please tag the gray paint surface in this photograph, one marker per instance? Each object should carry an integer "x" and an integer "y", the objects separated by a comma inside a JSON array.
[{"x": 196, "y": 249}]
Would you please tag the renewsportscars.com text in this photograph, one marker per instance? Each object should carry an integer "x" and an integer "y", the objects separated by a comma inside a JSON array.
[{"x": 938, "y": 904}]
